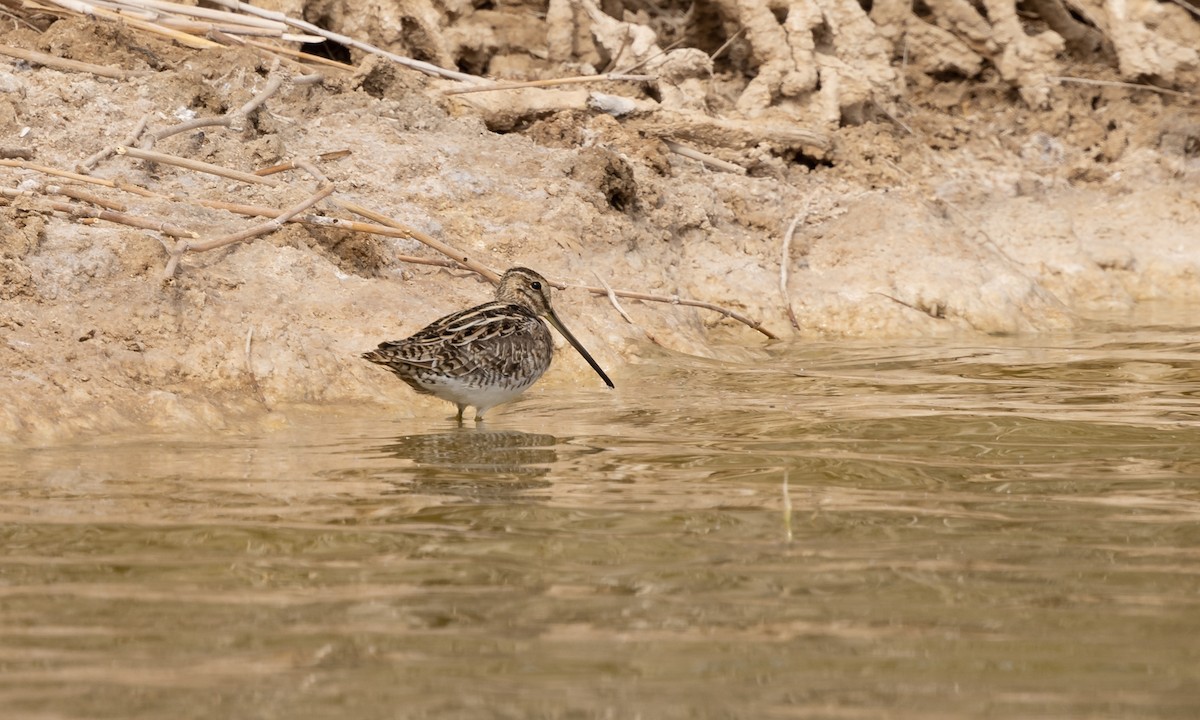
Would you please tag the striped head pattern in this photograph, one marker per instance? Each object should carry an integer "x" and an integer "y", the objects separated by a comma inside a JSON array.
[{"x": 522, "y": 286}]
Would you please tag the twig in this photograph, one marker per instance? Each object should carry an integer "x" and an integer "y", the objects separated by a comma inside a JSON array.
[
  {"x": 77, "y": 194},
  {"x": 549, "y": 82},
  {"x": 892, "y": 116},
  {"x": 269, "y": 226},
  {"x": 173, "y": 260},
  {"x": 725, "y": 45},
  {"x": 45, "y": 169},
  {"x": 449, "y": 251},
  {"x": 612, "y": 298},
  {"x": 427, "y": 68},
  {"x": 395, "y": 229},
  {"x": 53, "y": 61},
  {"x": 214, "y": 31},
  {"x": 937, "y": 313},
  {"x": 206, "y": 13},
  {"x": 647, "y": 59},
  {"x": 386, "y": 227},
  {"x": 435, "y": 262},
  {"x": 676, "y": 300},
  {"x": 311, "y": 220},
  {"x": 291, "y": 164},
  {"x": 446, "y": 249},
  {"x": 785, "y": 262},
  {"x": 261, "y": 229},
  {"x": 19, "y": 19},
  {"x": 90, "y": 10},
  {"x": 694, "y": 154},
  {"x": 92, "y": 161},
  {"x": 76, "y": 210},
  {"x": 196, "y": 165},
  {"x": 1115, "y": 83},
  {"x": 293, "y": 53},
  {"x": 234, "y": 118},
  {"x": 310, "y": 167},
  {"x": 56, "y": 172},
  {"x": 258, "y": 393},
  {"x": 620, "y": 51}
]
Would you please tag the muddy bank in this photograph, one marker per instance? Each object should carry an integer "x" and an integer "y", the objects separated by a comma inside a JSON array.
[{"x": 968, "y": 203}]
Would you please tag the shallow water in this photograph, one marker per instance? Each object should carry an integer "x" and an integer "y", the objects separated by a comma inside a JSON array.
[{"x": 1008, "y": 529}]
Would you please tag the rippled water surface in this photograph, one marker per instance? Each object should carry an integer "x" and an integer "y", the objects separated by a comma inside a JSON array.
[{"x": 1003, "y": 529}]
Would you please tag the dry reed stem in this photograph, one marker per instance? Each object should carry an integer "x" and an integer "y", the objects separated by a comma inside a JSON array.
[
  {"x": 94, "y": 11},
  {"x": 612, "y": 298},
  {"x": 1115, "y": 83},
  {"x": 435, "y": 262},
  {"x": 197, "y": 165},
  {"x": 258, "y": 393},
  {"x": 549, "y": 82},
  {"x": 173, "y": 261},
  {"x": 694, "y": 154},
  {"x": 92, "y": 161},
  {"x": 213, "y": 30},
  {"x": 449, "y": 251},
  {"x": 18, "y": 19},
  {"x": 266, "y": 228},
  {"x": 210, "y": 14},
  {"x": 936, "y": 314},
  {"x": 335, "y": 223},
  {"x": 725, "y": 45},
  {"x": 785, "y": 262},
  {"x": 311, "y": 168},
  {"x": 644, "y": 61},
  {"x": 154, "y": 8},
  {"x": 252, "y": 210},
  {"x": 676, "y": 300},
  {"x": 234, "y": 118},
  {"x": 53, "y": 61},
  {"x": 418, "y": 65},
  {"x": 291, "y": 53},
  {"x": 292, "y": 164},
  {"x": 56, "y": 172},
  {"x": 78, "y": 194},
  {"x": 78, "y": 211}
]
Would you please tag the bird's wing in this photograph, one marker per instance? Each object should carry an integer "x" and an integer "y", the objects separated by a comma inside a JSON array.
[{"x": 479, "y": 337}]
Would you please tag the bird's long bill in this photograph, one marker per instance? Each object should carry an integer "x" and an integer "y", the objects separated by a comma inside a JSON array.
[{"x": 558, "y": 325}]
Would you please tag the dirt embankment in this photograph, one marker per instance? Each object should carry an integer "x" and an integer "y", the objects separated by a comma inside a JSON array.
[{"x": 926, "y": 173}]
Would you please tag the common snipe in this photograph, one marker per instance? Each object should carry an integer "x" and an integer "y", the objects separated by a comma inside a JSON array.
[{"x": 486, "y": 355}]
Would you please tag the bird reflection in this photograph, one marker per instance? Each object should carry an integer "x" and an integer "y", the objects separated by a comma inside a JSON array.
[{"x": 475, "y": 462}]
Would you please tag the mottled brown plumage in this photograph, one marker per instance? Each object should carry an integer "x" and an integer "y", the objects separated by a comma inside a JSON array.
[{"x": 486, "y": 355}]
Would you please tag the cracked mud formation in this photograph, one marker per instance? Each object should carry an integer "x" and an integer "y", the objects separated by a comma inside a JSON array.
[{"x": 942, "y": 176}]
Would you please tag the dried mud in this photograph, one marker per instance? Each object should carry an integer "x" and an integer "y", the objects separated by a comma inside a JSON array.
[{"x": 970, "y": 212}]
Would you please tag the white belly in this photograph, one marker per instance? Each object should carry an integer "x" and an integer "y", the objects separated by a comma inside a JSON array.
[{"x": 481, "y": 398}]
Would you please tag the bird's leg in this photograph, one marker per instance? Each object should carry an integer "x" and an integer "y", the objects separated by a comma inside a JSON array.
[{"x": 460, "y": 412}]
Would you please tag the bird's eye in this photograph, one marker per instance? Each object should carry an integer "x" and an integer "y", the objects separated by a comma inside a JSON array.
[{"x": 535, "y": 285}]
